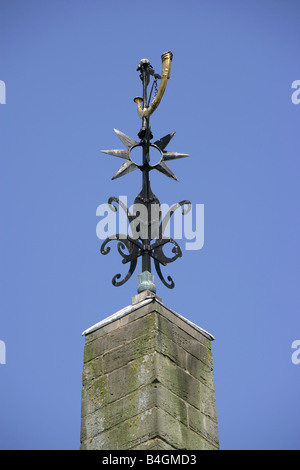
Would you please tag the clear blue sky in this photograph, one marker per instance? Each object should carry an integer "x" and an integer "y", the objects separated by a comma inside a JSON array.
[{"x": 70, "y": 74}]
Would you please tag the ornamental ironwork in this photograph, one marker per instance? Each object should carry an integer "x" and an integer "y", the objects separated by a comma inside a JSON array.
[{"x": 150, "y": 241}]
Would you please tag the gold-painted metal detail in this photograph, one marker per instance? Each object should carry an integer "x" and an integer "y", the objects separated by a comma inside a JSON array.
[{"x": 165, "y": 75}]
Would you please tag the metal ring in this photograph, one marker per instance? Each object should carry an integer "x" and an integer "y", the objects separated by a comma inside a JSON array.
[{"x": 151, "y": 166}]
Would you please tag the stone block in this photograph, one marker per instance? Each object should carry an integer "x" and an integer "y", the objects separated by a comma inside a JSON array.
[{"x": 148, "y": 382}]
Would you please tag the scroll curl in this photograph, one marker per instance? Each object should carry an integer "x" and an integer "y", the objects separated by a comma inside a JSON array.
[
  {"x": 131, "y": 249},
  {"x": 133, "y": 253},
  {"x": 171, "y": 284}
]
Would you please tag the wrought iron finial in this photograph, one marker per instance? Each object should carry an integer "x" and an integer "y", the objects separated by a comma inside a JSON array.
[{"x": 149, "y": 240}]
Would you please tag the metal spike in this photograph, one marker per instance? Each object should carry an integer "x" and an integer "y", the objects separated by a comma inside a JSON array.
[
  {"x": 163, "y": 168},
  {"x": 127, "y": 167},
  {"x": 163, "y": 142},
  {"x": 121, "y": 153},
  {"x": 128, "y": 141},
  {"x": 174, "y": 155}
]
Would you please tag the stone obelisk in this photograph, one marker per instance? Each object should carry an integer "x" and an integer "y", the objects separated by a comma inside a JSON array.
[{"x": 148, "y": 381}]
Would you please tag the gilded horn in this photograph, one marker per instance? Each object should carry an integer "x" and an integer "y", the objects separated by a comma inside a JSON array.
[{"x": 165, "y": 75}]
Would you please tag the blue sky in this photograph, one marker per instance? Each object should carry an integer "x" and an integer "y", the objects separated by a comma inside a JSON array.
[{"x": 70, "y": 74}]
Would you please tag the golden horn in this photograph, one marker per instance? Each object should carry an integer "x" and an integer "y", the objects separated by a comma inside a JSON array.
[{"x": 165, "y": 75}]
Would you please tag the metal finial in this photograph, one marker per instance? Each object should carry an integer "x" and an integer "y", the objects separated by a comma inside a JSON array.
[{"x": 149, "y": 240}]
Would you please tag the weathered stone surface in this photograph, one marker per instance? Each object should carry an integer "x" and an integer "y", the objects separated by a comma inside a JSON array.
[
  {"x": 203, "y": 424},
  {"x": 119, "y": 337},
  {"x": 148, "y": 383},
  {"x": 112, "y": 414},
  {"x": 154, "y": 444},
  {"x": 128, "y": 434}
]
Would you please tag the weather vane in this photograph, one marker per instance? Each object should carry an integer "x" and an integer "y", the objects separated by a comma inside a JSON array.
[{"x": 150, "y": 240}]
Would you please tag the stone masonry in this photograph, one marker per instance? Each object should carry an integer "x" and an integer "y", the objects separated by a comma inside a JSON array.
[{"x": 148, "y": 381}]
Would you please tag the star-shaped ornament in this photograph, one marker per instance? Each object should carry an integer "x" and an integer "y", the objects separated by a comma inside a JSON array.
[{"x": 130, "y": 165}]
